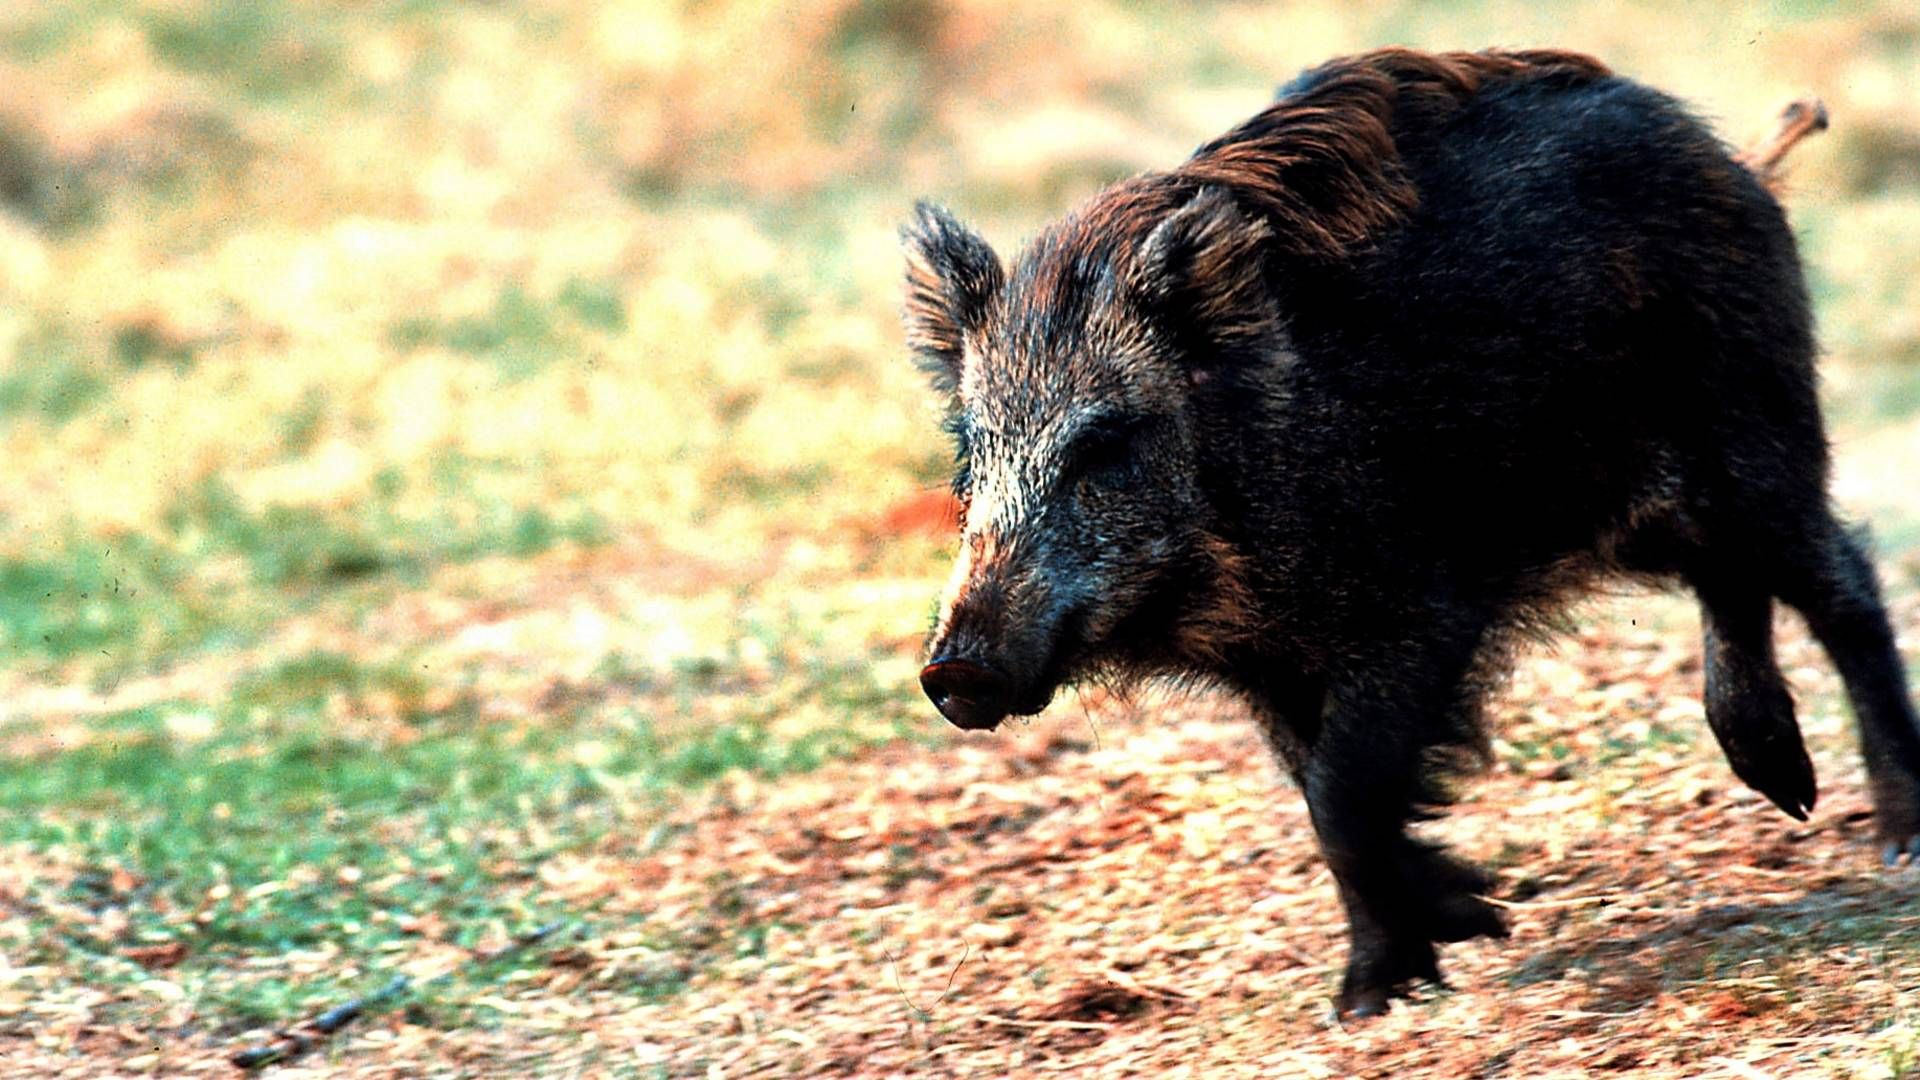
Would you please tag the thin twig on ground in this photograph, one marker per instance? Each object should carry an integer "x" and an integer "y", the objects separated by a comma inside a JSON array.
[
  {"x": 294, "y": 1041},
  {"x": 894, "y": 966}
]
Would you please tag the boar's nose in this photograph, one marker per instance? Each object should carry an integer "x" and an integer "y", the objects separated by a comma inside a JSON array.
[{"x": 971, "y": 696}]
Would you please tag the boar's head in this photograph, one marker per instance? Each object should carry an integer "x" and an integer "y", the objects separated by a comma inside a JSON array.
[{"x": 1078, "y": 386}]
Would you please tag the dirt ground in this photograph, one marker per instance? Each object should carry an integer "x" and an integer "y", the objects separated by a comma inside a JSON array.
[
  {"x": 397, "y": 393},
  {"x": 1127, "y": 887},
  {"x": 1133, "y": 893}
]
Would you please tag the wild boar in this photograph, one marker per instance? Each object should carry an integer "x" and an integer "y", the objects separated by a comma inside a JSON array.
[{"x": 1363, "y": 392}]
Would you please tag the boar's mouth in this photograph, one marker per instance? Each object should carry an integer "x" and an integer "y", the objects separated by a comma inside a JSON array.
[
  {"x": 974, "y": 696},
  {"x": 975, "y": 693}
]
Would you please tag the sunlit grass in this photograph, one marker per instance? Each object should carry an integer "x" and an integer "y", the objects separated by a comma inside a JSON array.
[
  {"x": 317, "y": 320},
  {"x": 260, "y": 837},
  {"x": 215, "y": 571},
  {"x": 266, "y": 825}
]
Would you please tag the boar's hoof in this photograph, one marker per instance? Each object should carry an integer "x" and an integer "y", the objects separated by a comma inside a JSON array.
[
  {"x": 1896, "y": 812},
  {"x": 1898, "y": 834},
  {"x": 1789, "y": 786},
  {"x": 1767, "y": 754},
  {"x": 971, "y": 696},
  {"x": 1378, "y": 974},
  {"x": 1362, "y": 1005}
]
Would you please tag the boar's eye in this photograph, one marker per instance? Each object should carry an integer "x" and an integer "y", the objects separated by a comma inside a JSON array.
[{"x": 1104, "y": 448}]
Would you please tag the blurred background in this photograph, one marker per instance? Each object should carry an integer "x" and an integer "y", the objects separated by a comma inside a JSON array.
[{"x": 436, "y": 430}]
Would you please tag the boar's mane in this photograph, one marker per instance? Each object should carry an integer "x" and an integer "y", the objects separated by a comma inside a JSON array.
[
  {"x": 1318, "y": 173},
  {"x": 1321, "y": 163}
]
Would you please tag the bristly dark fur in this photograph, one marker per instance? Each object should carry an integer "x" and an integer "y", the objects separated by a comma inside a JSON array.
[
  {"x": 1318, "y": 172},
  {"x": 1322, "y": 164},
  {"x": 951, "y": 276},
  {"x": 1339, "y": 408}
]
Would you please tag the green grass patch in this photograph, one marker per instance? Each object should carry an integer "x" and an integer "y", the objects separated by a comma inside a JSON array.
[
  {"x": 283, "y": 545},
  {"x": 276, "y": 831},
  {"x": 49, "y": 377},
  {"x": 58, "y": 372},
  {"x": 300, "y": 426},
  {"x": 1897, "y": 535},
  {"x": 53, "y": 25},
  {"x": 264, "y": 49},
  {"x": 520, "y": 334},
  {"x": 133, "y": 600},
  {"x": 771, "y": 486},
  {"x": 714, "y": 752},
  {"x": 91, "y": 597},
  {"x": 139, "y": 344},
  {"x": 293, "y": 545},
  {"x": 596, "y": 304},
  {"x": 1877, "y": 394},
  {"x": 318, "y": 675},
  {"x": 281, "y": 836}
]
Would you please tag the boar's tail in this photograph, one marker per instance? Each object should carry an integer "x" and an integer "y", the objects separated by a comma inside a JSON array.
[{"x": 1802, "y": 118}]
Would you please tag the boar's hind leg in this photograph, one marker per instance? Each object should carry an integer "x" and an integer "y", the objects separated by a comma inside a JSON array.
[
  {"x": 1834, "y": 586},
  {"x": 1364, "y": 774},
  {"x": 1748, "y": 706}
]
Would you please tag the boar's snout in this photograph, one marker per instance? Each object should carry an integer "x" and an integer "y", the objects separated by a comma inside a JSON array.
[{"x": 970, "y": 695}]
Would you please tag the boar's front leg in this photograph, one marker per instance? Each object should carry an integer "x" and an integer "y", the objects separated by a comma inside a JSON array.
[{"x": 1364, "y": 764}]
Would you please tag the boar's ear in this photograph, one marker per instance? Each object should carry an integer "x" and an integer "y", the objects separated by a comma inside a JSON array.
[
  {"x": 951, "y": 276},
  {"x": 1201, "y": 274}
]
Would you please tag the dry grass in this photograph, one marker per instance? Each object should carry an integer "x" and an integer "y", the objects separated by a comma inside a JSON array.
[
  {"x": 1132, "y": 890},
  {"x": 471, "y": 430}
]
